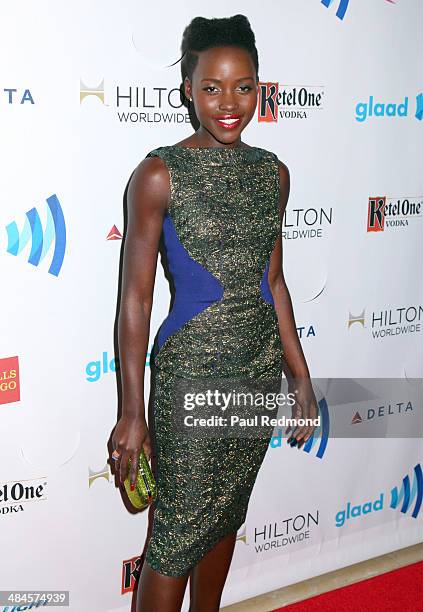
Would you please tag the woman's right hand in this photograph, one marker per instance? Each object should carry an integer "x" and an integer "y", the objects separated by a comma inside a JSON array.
[{"x": 129, "y": 437}]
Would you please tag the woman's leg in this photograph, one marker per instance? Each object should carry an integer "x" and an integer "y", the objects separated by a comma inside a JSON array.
[
  {"x": 209, "y": 575},
  {"x": 157, "y": 592},
  {"x": 160, "y": 593}
]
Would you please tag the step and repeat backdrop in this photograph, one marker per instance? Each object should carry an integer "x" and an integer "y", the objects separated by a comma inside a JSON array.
[{"x": 86, "y": 90}]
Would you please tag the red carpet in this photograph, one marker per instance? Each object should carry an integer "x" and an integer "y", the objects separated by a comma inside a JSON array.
[{"x": 397, "y": 590}]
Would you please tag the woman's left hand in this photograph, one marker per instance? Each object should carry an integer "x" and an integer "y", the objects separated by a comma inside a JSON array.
[{"x": 305, "y": 407}]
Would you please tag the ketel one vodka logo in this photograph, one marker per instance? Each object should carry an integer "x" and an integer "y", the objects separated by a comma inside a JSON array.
[
  {"x": 16, "y": 495},
  {"x": 385, "y": 212},
  {"x": 287, "y": 101}
]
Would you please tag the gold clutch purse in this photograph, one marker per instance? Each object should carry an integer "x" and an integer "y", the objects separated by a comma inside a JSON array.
[{"x": 145, "y": 485}]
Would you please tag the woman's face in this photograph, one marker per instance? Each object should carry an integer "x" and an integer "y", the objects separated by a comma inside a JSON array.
[{"x": 224, "y": 93}]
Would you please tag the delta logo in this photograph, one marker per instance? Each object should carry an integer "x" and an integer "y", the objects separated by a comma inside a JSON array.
[
  {"x": 384, "y": 212},
  {"x": 383, "y": 411},
  {"x": 277, "y": 101},
  {"x": 407, "y": 498},
  {"x": 51, "y": 238},
  {"x": 9, "y": 380},
  {"x": 12, "y": 95},
  {"x": 114, "y": 234}
]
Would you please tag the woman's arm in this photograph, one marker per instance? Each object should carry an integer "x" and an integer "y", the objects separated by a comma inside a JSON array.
[
  {"x": 293, "y": 352},
  {"x": 291, "y": 344},
  {"x": 147, "y": 197}
]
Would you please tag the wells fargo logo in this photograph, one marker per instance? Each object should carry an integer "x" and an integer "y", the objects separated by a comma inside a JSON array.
[{"x": 9, "y": 380}]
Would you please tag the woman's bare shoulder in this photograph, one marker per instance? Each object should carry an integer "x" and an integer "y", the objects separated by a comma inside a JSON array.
[{"x": 150, "y": 180}]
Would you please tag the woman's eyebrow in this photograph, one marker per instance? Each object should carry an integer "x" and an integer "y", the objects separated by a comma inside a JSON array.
[{"x": 219, "y": 81}]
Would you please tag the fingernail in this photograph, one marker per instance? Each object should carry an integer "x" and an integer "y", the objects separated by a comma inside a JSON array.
[{"x": 132, "y": 487}]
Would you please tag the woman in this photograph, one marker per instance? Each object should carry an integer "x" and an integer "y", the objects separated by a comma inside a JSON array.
[{"x": 219, "y": 204}]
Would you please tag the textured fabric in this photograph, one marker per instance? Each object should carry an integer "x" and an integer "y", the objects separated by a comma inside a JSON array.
[{"x": 219, "y": 232}]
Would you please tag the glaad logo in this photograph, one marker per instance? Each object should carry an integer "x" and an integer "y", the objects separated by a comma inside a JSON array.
[
  {"x": 95, "y": 369},
  {"x": 41, "y": 241},
  {"x": 407, "y": 494},
  {"x": 85, "y": 91},
  {"x": 292, "y": 102},
  {"x": 342, "y": 7},
  {"x": 319, "y": 440},
  {"x": 363, "y": 110},
  {"x": 404, "y": 496},
  {"x": 396, "y": 212}
]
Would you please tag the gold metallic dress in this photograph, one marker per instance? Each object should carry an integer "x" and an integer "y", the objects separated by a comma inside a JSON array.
[{"x": 218, "y": 232}]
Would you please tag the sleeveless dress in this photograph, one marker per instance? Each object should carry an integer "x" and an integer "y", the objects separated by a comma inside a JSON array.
[{"x": 218, "y": 232}]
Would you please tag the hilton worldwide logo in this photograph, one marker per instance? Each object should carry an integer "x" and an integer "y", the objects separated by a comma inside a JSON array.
[
  {"x": 390, "y": 321},
  {"x": 135, "y": 103}
]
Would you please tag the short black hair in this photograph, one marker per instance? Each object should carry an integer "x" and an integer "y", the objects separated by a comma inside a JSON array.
[{"x": 202, "y": 34}]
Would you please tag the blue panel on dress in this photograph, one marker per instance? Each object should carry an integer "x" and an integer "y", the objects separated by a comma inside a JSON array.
[
  {"x": 264, "y": 286},
  {"x": 195, "y": 287}
]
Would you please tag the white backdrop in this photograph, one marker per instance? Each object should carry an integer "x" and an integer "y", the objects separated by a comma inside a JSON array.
[{"x": 357, "y": 294}]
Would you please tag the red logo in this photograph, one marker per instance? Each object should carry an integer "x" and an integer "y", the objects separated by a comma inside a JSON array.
[
  {"x": 130, "y": 574},
  {"x": 114, "y": 234},
  {"x": 268, "y": 102},
  {"x": 9, "y": 380},
  {"x": 376, "y": 214}
]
